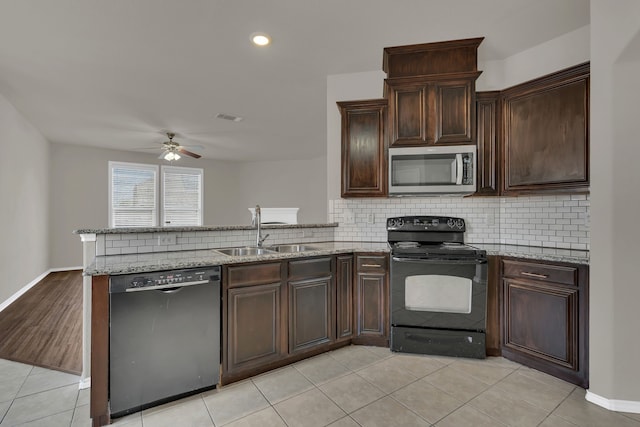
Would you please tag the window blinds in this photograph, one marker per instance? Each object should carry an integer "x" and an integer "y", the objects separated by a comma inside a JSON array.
[
  {"x": 181, "y": 196},
  {"x": 133, "y": 195}
]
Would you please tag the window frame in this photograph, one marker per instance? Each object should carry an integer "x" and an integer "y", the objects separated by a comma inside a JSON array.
[{"x": 159, "y": 174}]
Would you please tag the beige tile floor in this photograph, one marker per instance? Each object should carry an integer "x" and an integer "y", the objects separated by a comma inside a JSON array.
[{"x": 352, "y": 386}]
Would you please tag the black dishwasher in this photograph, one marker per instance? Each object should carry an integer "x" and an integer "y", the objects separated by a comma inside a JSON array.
[{"x": 164, "y": 338}]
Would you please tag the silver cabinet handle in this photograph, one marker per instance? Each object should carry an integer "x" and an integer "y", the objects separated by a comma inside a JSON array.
[
  {"x": 371, "y": 265},
  {"x": 538, "y": 276}
]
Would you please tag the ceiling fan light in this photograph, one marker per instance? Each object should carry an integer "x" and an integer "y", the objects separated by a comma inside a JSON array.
[
  {"x": 176, "y": 156},
  {"x": 170, "y": 156}
]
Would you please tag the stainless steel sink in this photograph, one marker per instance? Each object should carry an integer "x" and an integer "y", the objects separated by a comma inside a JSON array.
[
  {"x": 293, "y": 248},
  {"x": 249, "y": 250}
]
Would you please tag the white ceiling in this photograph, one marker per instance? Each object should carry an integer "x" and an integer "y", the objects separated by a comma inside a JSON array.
[{"x": 118, "y": 73}]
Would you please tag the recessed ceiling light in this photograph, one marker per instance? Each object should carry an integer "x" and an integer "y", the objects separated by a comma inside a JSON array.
[{"x": 260, "y": 39}]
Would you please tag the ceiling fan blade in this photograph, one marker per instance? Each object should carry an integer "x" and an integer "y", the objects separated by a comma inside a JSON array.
[
  {"x": 189, "y": 153},
  {"x": 193, "y": 147}
]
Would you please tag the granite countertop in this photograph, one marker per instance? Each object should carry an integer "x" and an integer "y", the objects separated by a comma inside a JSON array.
[
  {"x": 126, "y": 230},
  {"x": 535, "y": 252},
  {"x": 158, "y": 261}
]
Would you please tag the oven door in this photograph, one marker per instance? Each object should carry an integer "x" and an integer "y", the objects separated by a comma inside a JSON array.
[{"x": 439, "y": 293}]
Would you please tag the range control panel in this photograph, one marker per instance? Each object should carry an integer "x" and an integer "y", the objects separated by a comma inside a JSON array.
[
  {"x": 163, "y": 279},
  {"x": 426, "y": 223}
]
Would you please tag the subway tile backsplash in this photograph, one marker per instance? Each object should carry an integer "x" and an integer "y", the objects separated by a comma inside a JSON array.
[
  {"x": 559, "y": 221},
  {"x": 132, "y": 243}
]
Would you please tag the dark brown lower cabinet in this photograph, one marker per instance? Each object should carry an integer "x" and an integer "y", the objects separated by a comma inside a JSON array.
[
  {"x": 311, "y": 302},
  {"x": 254, "y": 323},
  {"x": 344, "y": 297},
  {"x": 275, "y": 313},
  {"x": 493, "y": 307},
  {"x": 545, "y": 317},
  {"x": 372, "y": 300}
]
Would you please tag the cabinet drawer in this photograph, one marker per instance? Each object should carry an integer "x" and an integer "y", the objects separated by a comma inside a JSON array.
[
  {"x": 541, "y": 272},
  {"x": 372, "y": 263},
  {"x": 253, "y": 274},
  {"x": 309, "y": 268}
]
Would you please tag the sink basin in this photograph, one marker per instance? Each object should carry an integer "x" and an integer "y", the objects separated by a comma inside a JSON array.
[
  {"x": 249, "y": 250},
  {"x": 293, "y": 248}
]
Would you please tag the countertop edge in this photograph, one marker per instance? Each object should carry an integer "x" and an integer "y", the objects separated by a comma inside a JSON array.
[
  {"x": 130, "y": 230},
  {"x": 159, "y": 261}
]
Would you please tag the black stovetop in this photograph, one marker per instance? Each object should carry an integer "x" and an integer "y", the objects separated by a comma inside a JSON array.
[{"x": 429, "y": 236}]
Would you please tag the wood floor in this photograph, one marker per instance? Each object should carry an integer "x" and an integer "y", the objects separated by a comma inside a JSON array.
[{"x": 44, "y": 326}]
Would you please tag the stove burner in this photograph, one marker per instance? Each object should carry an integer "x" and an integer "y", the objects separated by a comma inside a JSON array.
[{"x": 406, "y": 245}]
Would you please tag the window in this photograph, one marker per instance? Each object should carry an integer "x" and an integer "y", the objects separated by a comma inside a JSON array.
[
  {"x": 181, "y": 196},
  {"x": 135, "y": 189}
]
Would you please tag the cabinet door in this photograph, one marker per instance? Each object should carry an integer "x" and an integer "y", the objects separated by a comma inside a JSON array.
[
  {"x": 372, "y": 300},
  {"x": 407, "y": 113},
  {"x": 545, "y": 318},
  {"x": 546, "y": 133},
  {"x": 344, "y": 297},
  {"x": 487, "y": 104},
  {"x": 254, "y": 329},
  {"x": 432, "y": 110},
  {"x": 541, "y": 320},
  {"x": 363, "y": 164},
  {"x": 310, "y": 313},
  {"x": 451, "y": 119}
]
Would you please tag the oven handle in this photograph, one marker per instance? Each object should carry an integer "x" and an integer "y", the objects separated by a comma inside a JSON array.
[{"x": 440, "y": 260}]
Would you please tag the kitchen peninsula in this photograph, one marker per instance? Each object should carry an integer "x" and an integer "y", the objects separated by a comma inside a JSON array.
[{"x": 347, "y": 280}]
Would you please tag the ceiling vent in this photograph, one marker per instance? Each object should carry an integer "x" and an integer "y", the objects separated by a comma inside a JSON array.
[{"x": 229, "y": 117}]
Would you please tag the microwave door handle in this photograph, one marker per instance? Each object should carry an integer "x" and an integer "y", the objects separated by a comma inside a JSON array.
[{"x": 459, "y": 169}]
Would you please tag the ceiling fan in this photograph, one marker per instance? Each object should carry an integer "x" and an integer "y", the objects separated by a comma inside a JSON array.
[{"x": 172, "y": 150}]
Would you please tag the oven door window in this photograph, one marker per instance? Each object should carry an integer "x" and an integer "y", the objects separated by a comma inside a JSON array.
[{"x": 437, "y": 293}]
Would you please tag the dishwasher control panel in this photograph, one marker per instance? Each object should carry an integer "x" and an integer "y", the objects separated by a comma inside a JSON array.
[{"x": 163, "y": 279}]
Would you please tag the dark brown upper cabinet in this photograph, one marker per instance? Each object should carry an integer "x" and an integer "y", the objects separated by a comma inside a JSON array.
[
  {"x": 425, "y": 111},
  {"x": 364, "y": 168},
  {"x": 546, "y": 134},
  {"x": 431, "y": 92},
  {"x": 488, "y": 128}
]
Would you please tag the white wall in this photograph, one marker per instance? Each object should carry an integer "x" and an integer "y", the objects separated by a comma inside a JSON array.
[
  {"x": 285, "y": 184},
  {"x": 615, "y": 201},
  {"x": 24, "y": 210},
  {"x": 562, "y": 52}
]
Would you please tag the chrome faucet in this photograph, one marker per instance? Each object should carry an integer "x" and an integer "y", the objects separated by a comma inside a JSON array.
[{"x": 256, "y": 221}]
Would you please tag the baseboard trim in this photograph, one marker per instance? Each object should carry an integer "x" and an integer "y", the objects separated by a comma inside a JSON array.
[
  {"x": 630, "y": 406},
  {"x": 56, "y": 269},
  {"x": 85, "y": 383},
  {"x": 31, "y": 284}
]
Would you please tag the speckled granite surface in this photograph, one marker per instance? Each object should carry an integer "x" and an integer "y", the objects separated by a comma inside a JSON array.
[
  {"x": 534, "y": 252},
  {"x": 158, "y": 261},
  {"x": 203, "y": 228}
]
